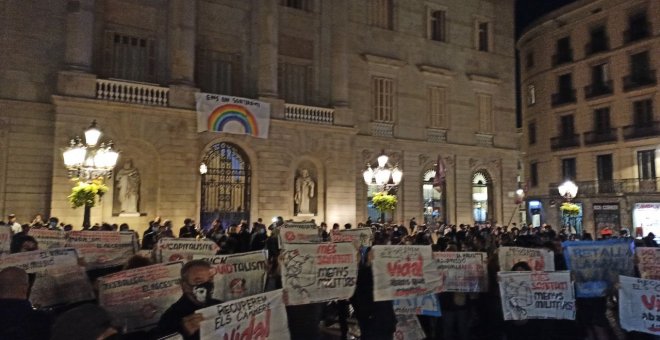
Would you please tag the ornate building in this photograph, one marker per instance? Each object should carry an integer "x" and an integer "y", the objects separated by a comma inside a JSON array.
[
  {"x": 344, "y": 80},
  {"x": 590, "y": 113}
]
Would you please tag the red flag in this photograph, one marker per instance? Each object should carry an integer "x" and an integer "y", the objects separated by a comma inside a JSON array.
[{"x": 440, "y": 174}]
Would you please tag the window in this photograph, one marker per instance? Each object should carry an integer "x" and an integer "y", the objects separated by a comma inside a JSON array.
[
  {"x": 531, "y": 95},
  {"x": 129, "y": 57},
  {"x": 564, "y": 53},
  {"x": 437, "y": 97},
  {"x": 485, "y": 104},
  {"x": 381, "y": 14},
  {"x": 639, "y": 66},
  {"x": 602, "y": 120},
  {"x": 483, "y": 36},
  {"x": 643, "y": 113},
  {"x": 295, "y": 81},
  {"x": 383, "y": 99},
  {"x": 604, "y": 167},
  {"x": 598, "y": 42},
  {"x": 638, "y": 27},
  {"x": 437, "y": 26},
  {"x": 568, "y": 168},
  {"x": 565, "y": 83},
  {"x": 297, "y": 4},
  {"x": 567, "y": 128},
  {"x": 531, "y": 133},
  {"x": 530, "y": 59},
  {"x": 219, "y": 72},
  {"x": 599, "y": 74},
  {"x": 534, "y": 174},
  {"x": 646, "y": 164}
]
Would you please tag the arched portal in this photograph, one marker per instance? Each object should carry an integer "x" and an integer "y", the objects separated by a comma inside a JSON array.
[
  {"x": 226, "y": 185},
  {"x": 434, "y": 200},
  {"x": 482, "y": 197}
]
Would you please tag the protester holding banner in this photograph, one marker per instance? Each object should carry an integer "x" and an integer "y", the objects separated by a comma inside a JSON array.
[
  {"x": 18, "y": 320},
  {"x": 197, "y": 287}
]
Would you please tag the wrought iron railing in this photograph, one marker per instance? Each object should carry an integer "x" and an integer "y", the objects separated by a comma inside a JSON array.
[
  {"x": 309, "y": 114},
  {"x": 633, "y": 81},
  {"x": 131, "y": 92},
  {"x": 614, "y": 187},
  {"x": 597, "y": 45},
  {"x": 650, "y": 129},
  {"x": 600, "y": 136},
  {"x": 563, "y": 97},
  {"x": 598, "y": 89},
  {"x": 565, "y": 141},
  {"x": 562, "y": 57}
]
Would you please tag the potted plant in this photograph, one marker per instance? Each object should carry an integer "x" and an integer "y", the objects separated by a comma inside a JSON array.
[
  {"x": 85, "y": 193},
  {"x": 384, "y": 202}
]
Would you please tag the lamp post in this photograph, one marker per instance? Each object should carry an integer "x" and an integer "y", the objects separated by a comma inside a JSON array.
[
  {"x": 383, "y": 173},
  {"x": 568, "y": 190},
  {"x": 89, "y": 160}
]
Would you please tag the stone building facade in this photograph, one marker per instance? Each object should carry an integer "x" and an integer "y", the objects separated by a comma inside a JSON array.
[
  {"x": 591, "y": 113},
  {"x": 345, "y": 80}
]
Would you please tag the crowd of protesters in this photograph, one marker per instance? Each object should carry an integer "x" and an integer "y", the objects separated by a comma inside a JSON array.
[{"x": 464, "y": 315}]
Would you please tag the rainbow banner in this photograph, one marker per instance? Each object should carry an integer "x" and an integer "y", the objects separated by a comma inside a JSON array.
[{"x": 228, "y": 114}]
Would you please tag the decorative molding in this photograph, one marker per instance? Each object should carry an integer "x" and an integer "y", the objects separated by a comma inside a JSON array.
[
  {"x": 484, "y": 79},
  {"x": 473, "y": 163},
  {"x": 395, "y": 158},
  {"x": 431, "y": 70},
  {"x": 423, "y": 159},
  {"x": 383, "y": 61},
  {"x": 436, "y": 135},
  {"x": 450, "y": 161},
  {"x": 379, "y": 129},
  {"x": 366, "y": 156},
  {"x": 484, "y": 139}
]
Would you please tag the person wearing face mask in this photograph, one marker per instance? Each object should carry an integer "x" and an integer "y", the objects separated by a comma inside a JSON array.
[{"x": 197, "y": 288}]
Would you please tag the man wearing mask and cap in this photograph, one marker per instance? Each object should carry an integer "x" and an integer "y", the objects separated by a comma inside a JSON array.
[{"x": 197, "y": 287}]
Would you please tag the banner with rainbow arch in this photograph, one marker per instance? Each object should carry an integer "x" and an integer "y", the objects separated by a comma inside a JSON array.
[{"x": 228, "y": 114}]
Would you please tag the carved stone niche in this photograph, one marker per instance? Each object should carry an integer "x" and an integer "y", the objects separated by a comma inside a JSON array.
[{"x": 305, "y": 190}]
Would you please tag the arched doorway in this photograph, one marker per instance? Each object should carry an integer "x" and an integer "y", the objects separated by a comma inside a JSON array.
[
  {"x": 226, "y": 185},
  {"x": 434, "y": 205},
  {"x": 482, "y": 197}
]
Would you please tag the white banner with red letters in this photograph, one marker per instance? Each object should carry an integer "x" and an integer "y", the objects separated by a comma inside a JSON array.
[
  {"x": 639, "y": 305},
  {"x": 360, "y": 236},
  {"x": 237, "y": 275},
  {"x": 537, "y": 258},
  {"x": 648, "y": 261},
  {"x": 102, "y": 249},
  {"x": 462, "y": 271},
  {"x": 184, "y": 249},
  {"x": 404, "y": 271},
  {"x": 537, "y": 295}
]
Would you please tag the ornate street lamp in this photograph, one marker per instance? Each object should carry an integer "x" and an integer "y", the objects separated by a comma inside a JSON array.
[
  {"x": 383, "y": 174},
  {"x": 568, "y": 190},
  {"x": 89, "y": 161}
]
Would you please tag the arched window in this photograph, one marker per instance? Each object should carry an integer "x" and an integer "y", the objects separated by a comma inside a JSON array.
[
  {"x": 482, "y": 197},
  {"x": 434, "y": 208},
  {"x": 226, "y": 185}
]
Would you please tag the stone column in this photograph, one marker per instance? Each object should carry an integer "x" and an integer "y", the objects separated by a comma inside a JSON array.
[
  {"x": 79, "y": 34},
  {"x": 266, "y": 17},
  {"x": 181, "y": 41},
  {"x": 340, "y": 53}
]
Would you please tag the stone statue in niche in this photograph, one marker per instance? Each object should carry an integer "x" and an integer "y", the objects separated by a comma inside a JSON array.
[
  {"x": 128, "y": 185},
  {"x": 305, "y": 189}
]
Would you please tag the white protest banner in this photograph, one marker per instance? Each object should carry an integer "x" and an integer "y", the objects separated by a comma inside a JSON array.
[
  {"x": 5, "y": 240},
  {"x": 361, "y": 236},
  {"x": 404, "y": 271},
  {"x": 48, "y": 239},
  {"x": 648, "y": 261},
  {"x": 102, "y": 249},
  {"x": 598, "y": 264},
  {"x": 228, "y": 114},
  {"x": 260, "y": 316},
  {"x": 318, "y": 272},
  {"x": 408, "y": 328},
  {"x": 419, "y": 305},
  {"x": 462, "y": 271},
  {"x": 238, "y": 275},
  {"x": 183, "y": 249},
  {"x": 58, "y": 280},
  {"x": 538, "y": 259},
  {"x": 299, "y": 232},
  {"x": 639, "y": 305},
  {"x": 136, "y": 298},
  {"x": 537, "y": 295}
]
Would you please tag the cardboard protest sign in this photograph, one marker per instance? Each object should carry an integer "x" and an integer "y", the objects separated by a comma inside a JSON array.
[
  {"x": 404, "y": 271},
  {"x": 299, "y": 232},
  {"x": 360, "y": 236},
  {"x": 537, "y": 295},
  {"x": 639, "y": 305},
  {"x": 102, "y": 249},
  {"x": 538, "y": 259},
  {"x": 318, "y": 272},
  {"x": 419, "y": 305},
  {"x": 183, "y": 249},
  {"x": 136, "y": 298},
  {"x": 239, "y": 275},
  {"x": 58, "y": 280},
  {"x": 48, "y": 239},
  {"x": 408, "y": 328},
  {"x": 648, "y": 262},
  {"x": 260, "y": 316},
  {"x": 462, "y": 271},
  {"x": 598, "y": 264},
  {"x": 5, "y": 240}
]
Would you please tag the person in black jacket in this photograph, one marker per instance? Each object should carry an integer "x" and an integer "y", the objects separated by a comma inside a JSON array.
[
  {"x": 18, "y": 321},
  {"x": 197, "y": 287}
]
